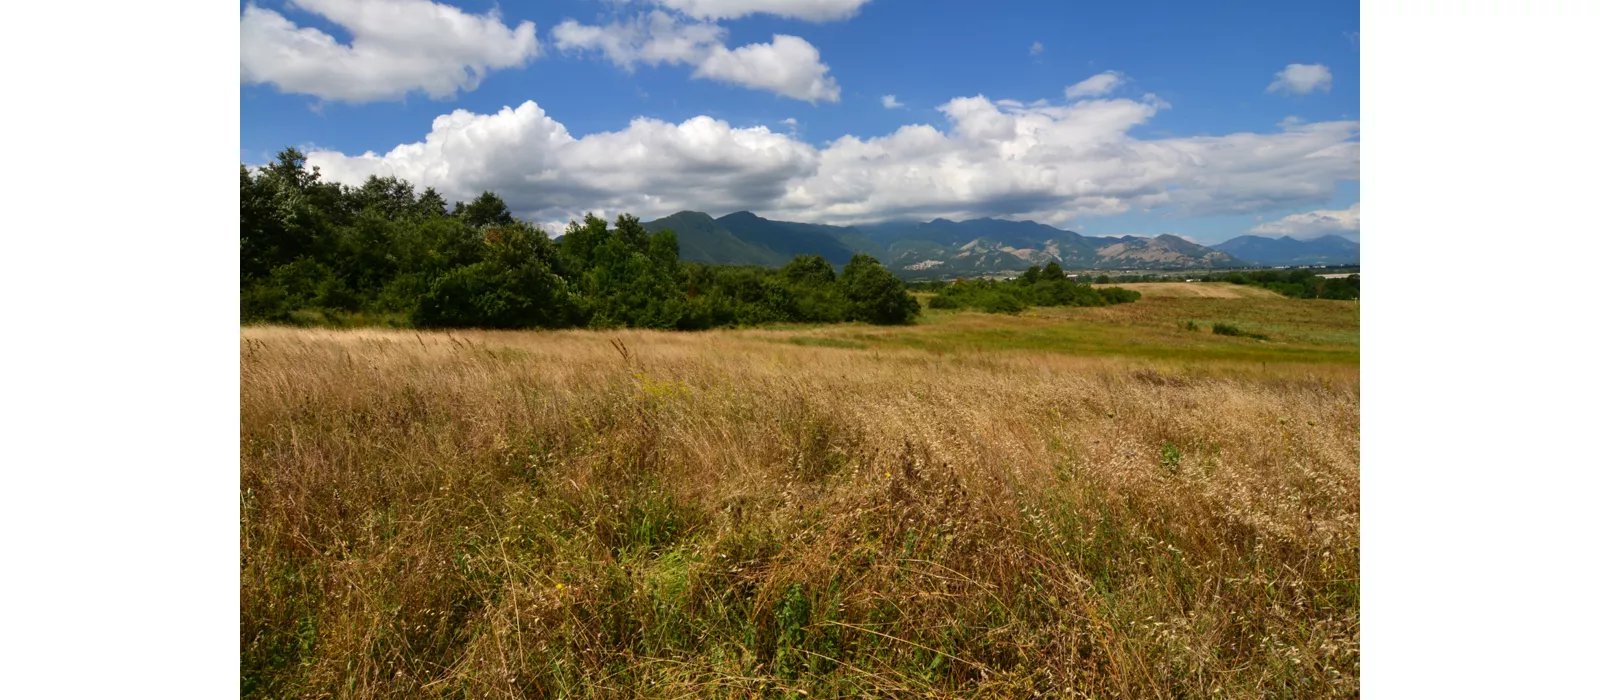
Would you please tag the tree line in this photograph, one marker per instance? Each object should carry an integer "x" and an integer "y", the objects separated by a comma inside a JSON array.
[
  {"x": 1039, "y": 286},
  {"x": 1297, "y": 284},
  {"x": 313, "y": 251}
]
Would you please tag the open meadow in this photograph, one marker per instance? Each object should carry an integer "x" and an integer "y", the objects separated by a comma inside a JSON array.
[{"x": 1070, "y": 502}]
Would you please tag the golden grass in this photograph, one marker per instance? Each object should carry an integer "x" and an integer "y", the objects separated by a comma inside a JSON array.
[{"x": 728, "y": 514}]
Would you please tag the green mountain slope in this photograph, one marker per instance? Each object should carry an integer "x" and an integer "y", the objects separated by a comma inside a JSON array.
[
  {"x": 936, "y": 248},
  {"x": 702, "y": 239}
]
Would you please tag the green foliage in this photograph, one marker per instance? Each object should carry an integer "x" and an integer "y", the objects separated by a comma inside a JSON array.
[
  {"x": 321, "y": 253},
  {"x": 1046, "y": 286},
  {"x": 515, "y": 286},
  {"x": 1001, "y": 303},
  {"x": 1295, "y": 284},
  {"x": 487, "y": 210},
  {"x": 875, "y": 295},
  {"x": 1232, "y": 330},
  {"x": 1170, "y": 457}
]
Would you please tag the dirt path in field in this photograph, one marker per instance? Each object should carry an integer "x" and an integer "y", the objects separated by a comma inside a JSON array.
[{"x": 1212, "y": 290}]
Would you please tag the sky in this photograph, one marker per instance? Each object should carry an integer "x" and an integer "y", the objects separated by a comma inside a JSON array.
[{"x": 1106, "y": 119}]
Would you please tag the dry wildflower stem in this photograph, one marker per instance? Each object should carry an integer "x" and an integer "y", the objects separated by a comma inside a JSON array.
[{"x": 637, "y": 514}]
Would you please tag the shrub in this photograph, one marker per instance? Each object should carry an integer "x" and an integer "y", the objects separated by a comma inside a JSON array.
[
  {"x": 874, "y": 294},
  {"x": 1232, "y": 330},
  {"x": 1118, "y": 295},
  {"x": 1000, "y": 303}
]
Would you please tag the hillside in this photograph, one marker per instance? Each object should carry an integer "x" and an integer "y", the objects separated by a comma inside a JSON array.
[
  {"x": 789, "y": 239},
  {"x": 1165, "y": 250},
  {"x": 937, "y": 247},
  {"x": 702, "y": 239},
  {"x": 1261, "y": 250}
]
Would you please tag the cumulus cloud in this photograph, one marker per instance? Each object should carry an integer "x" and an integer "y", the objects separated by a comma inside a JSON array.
[
  {"x": 1314, "y": 224},
  {"x": 1096, "y": 86},
  {"x": 1036, "y": 49},
  {"x": 397, "y": 46},
  {"x": 789, "y": 66},
  {"x": 1043, "y": 161},
  {"x": 650, "y": 168},
  {"x": 812, "y": 10},
  {"x": 889, "y": 102},
  {"x": 1300, "y": 79}
]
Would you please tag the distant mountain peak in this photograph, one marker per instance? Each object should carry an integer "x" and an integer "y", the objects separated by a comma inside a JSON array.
[
  {"x": 982, "y": 246},
  {"x": 1330, "y": 249},
  {"x": 690, "y": 214}
]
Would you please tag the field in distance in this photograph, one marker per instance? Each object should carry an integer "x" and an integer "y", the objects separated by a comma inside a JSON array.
[
  {"x": 1103, "y": 502},
  {"x": 1210, "y": 290}
]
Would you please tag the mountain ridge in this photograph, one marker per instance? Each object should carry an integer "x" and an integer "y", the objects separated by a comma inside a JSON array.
[
  {"x": 1261, "y": 250},
  {"x": 975, "y": 246}
]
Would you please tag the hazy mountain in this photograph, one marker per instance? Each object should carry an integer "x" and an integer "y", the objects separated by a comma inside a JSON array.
[
  {"x": 1261, "y": 250},
  {"x": 1165, "y": 250},
  {"x": 941, "y": 246}
]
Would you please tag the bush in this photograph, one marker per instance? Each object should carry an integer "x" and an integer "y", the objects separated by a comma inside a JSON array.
[
  {"x": 1118, "y": 295},
  {"x": 875, "y": 295},
  {"x": 1232, "y": 330},
  {"x": 1000, "y": 303}
]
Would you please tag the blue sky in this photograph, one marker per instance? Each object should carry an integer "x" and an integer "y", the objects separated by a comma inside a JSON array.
[{"x": 1212, "y": 122}]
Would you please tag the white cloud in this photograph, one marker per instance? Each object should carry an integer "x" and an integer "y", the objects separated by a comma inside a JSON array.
[
  {"x": 1314, "y": 224},
  {"x": 813, "y": 10},
  {"x": 788, "y": 66},
  {"x": 397, "y": 46},
  {"x": 1095, "y": 86},
  {"x": 1047, "y": 162},
  {"x": 1299, "y": 79},
  {"x": 652, "y": 38},
  {"x": 889, "y": 102},
  {"x": 790, "y": 122},
  {"x": 1036, "y": 49},
  {"x": 650, "y": 168}
]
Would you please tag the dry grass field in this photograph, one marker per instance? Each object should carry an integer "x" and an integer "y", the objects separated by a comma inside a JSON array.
[
  {"x": 1067, "y": 503},
  {"x": 1195, "y": 289}
]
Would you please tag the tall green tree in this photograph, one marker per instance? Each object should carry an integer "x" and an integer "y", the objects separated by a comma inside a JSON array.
[
  {"x": 487, "y": 210},
  {"x": 874, "y": 294},
  {"x": 514, "y": 286}
]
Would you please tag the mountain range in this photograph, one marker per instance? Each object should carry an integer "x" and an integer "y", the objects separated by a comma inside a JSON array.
[
  {"x": 943, "y": 247},
  {"x": 1261, "y": 250}
]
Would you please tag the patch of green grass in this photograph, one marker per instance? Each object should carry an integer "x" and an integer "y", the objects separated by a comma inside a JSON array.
[
  {"x": 1156, "y": 328},
  {"x": 333, "y": 318}
]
